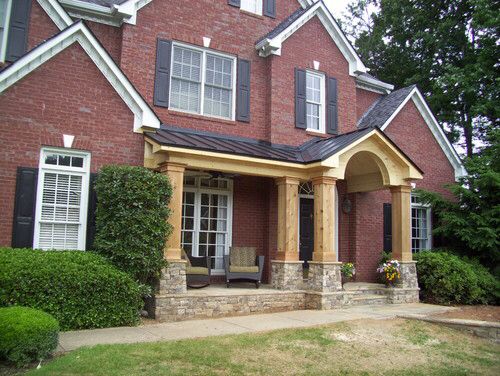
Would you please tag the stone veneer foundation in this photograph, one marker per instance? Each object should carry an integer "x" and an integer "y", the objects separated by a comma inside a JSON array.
[{"x": 287, "y": 275}]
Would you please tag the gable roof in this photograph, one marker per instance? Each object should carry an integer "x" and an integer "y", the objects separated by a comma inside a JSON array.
[
  {"x": 386, "y": 108},
  {"x": 79, "y": 33},
  {"x": 271, "y": 42},
  {"x": 111, "y": 12},
  {"x": 315, "y": 150}
]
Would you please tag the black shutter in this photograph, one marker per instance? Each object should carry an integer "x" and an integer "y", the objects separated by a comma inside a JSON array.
[
  {"x": 162, "y": 74},
  {"x": 91, "y": 213},
  {"x": 17, "y": 39},
  {"x": 270, "y": 8},
  {"x": 234, "y": 3},
  {"x": 24, "y": 207},
  {"x": 387, "y": 227},
  {"x": 300, "y": 98},
  {"x": 243, "y": 91},
  {"x": 331, "y": 106}
]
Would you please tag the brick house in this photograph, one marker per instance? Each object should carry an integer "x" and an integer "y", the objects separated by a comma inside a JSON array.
[{"x": 271, "y": 129}]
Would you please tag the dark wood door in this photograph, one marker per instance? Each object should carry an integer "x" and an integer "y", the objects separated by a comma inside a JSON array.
[{"x": 306, "y": 228}]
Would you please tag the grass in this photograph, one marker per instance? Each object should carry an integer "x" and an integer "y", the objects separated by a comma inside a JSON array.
[{"x": 364, "y": 347}]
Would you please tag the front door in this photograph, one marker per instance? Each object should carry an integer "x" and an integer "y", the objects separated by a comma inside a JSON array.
[{"x": 306, "y": 230}]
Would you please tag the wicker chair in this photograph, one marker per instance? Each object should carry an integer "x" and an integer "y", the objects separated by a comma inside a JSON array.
[
  {"x": 197, "y": 271},
  {"x": 243, "y": 264}
]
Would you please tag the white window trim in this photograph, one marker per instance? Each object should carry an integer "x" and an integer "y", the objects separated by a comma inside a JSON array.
[
  {"x": 198, "y": 190},
  {"x": 81, "y": 171},
  {"x": 322, "y": 113},
  {"x": 258, "y": 7},
  {"x": 429, "y": 222},
  {"x": 5, "y": 36},
  {"x": 204, "y": 52}
]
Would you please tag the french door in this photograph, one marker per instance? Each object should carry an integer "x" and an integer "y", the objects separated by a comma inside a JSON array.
[{"x": 207, "y": 219}]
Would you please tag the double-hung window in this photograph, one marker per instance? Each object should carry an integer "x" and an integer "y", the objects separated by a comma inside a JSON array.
[
  {"x": 62, "y": 200},
  {"x": 421, "y": 230},
  {"x": 315, "y": 102},
  {"x": 252, "y": 6},
  {"x": 5, "y": 10},
  {"x": 202, "y": 82}
]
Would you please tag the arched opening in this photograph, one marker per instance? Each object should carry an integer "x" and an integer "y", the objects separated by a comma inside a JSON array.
[{"x": 365, "y": 172}]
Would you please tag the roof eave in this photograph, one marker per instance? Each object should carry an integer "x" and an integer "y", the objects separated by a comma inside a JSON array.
[{"x": 374, "y": 85}]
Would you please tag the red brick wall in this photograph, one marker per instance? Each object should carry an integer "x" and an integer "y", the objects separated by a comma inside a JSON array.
[
  {"x": 110, "y": 37},
  {"x": 40, "y": 108},
  {"x": 41, "y": 27},
  {"x": 409, "y": 131},
  {"x": 364, "y": 99}
]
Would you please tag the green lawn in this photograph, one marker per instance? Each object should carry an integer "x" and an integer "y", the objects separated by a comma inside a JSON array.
[{"x": 364, "y": 347}]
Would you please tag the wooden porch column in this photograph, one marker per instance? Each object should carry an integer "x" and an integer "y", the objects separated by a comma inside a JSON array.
[
  {"x": 401, "y": 223},
  {"x": 175, "y": 173},
  {"x": 324, "y": 219},
  {"x": 288, "y": 219}
]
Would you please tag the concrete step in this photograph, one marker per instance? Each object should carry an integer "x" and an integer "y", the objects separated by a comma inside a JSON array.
[
  {"x": 369, "y": 299},
  {"x": 361, "y": 288}
]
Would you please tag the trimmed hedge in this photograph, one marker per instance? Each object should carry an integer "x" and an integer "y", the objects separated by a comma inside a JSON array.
[
  {"x": 131, "y": 224},
  {"x": 80, "y": 289},
  {"x": 26, "y": 334},
  {"x": 445, "y": 278}
]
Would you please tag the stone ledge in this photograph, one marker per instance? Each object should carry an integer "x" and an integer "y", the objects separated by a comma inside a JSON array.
[{"x": 484, "y": 329}]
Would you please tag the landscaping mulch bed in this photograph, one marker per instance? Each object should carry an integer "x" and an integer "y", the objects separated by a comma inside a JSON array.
[{"x": 479, "y": 312}]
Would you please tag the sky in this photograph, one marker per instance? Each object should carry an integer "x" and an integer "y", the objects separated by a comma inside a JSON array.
[{"x": 337, "y": 6}]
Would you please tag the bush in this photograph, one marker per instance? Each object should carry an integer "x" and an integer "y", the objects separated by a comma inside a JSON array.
[
  {"x": 445, "y": 278},
  {"x": 26, "y": 334},
  {"x": 80, "y": 289},
  {"x": 131, "y": 224}
]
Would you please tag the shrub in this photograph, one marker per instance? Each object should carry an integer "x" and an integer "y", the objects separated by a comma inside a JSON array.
[
  {"x": 80, "y": 289},
  {"x": 131, "y": 215},
  {"x": 445, "y": 278},
  {"x": 26, "y": 334}
]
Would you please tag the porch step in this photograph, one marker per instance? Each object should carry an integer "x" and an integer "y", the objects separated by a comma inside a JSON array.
[
  {"x": 365, "y": 288},
  {"x": 369, "y": 299}
]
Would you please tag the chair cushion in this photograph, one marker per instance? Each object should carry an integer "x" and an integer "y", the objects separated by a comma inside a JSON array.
[
  {"x": 242, "y": 256},
  {"x": 184, "y": 256},
  {"x": 244, "y": 269},
  {"x": 196, "y": 270}
]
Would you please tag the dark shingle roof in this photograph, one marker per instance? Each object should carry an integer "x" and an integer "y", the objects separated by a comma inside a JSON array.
[
  {"x": 381, "y": 110},
  {"x": 285, "y": 23},
  {"x": 105, "y": 3},
  {"x": 314, "y": 150}
]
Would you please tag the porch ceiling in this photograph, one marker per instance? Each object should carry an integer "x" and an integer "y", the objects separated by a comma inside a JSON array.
[{"x": 327, "y": 157}]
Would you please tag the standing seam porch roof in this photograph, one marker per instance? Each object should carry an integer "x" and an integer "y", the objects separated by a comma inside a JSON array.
[{"x": 314, "y": 150}]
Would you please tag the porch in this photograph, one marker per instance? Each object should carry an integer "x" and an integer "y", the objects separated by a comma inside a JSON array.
[{"x": 241, "y": 192}]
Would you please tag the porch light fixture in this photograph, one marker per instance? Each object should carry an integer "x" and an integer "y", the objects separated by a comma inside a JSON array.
[{"x": 346, "y": 206}]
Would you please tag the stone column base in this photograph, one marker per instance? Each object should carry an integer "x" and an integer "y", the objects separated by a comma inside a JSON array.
[
  {"x": 327, "y": 300},
  {"x": 287, "y": 275},
  {"x": 173, "y": 278},
  {"x": 408, "y": 278},
  {"x": 325, "y": 276}
]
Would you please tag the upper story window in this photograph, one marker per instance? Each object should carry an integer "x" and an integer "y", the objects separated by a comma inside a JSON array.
[
  {"x": 421, "y": 229},
  {"x": 253, "y": 6},
  {"x": 202, "y": 82},
  {"x": 5, "y": 10},
  {"x": 61, "y": 207},
  {"x": 315, "y": 102}
]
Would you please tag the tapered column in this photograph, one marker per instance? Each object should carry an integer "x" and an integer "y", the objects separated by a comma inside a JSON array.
[
  {"x": 175, "y": 173},
  {"x": 288, "y": 219},
  {"x": 324, "y": 219},
  {"x": 401, "y": 223}
]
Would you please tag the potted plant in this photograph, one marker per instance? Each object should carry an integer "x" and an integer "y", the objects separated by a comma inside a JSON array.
[
  {"x": 390, "y": 272},
  {"x": 348, "y": 271}
]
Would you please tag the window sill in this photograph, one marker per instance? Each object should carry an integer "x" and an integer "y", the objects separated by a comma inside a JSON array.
[
  {"x": 201, "y": 117},
  {"x": 258, "y": 16},
  {"x": 317, "y": 133}
]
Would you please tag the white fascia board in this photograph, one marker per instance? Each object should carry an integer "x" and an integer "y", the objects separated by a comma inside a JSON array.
[
  {"x": 273, "y": 45},
  {"x": 365, "y": 81},
  {"x": 56, "y": 13},
  {"x": 78, "y": 32},
  {"x": 434, "y": 127},
  {"x": 305, "y": 3},
  {"x": 129, "y": 10}
]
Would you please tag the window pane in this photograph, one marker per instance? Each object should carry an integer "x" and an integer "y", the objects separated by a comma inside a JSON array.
[
  {"x": 76, "y": 161},
  {"x": 186, "y": 64},
  {"x": 51, "y": 159},
  {"x": 185, "y": 95}
]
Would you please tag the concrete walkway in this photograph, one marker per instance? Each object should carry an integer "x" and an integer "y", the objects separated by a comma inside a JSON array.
[{"x": 236, "y": 325}]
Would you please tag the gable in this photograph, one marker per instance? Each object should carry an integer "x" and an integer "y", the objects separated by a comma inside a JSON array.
[
  {"x": 271, "y": 43},
  {"x": 144, "y": 117}
]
